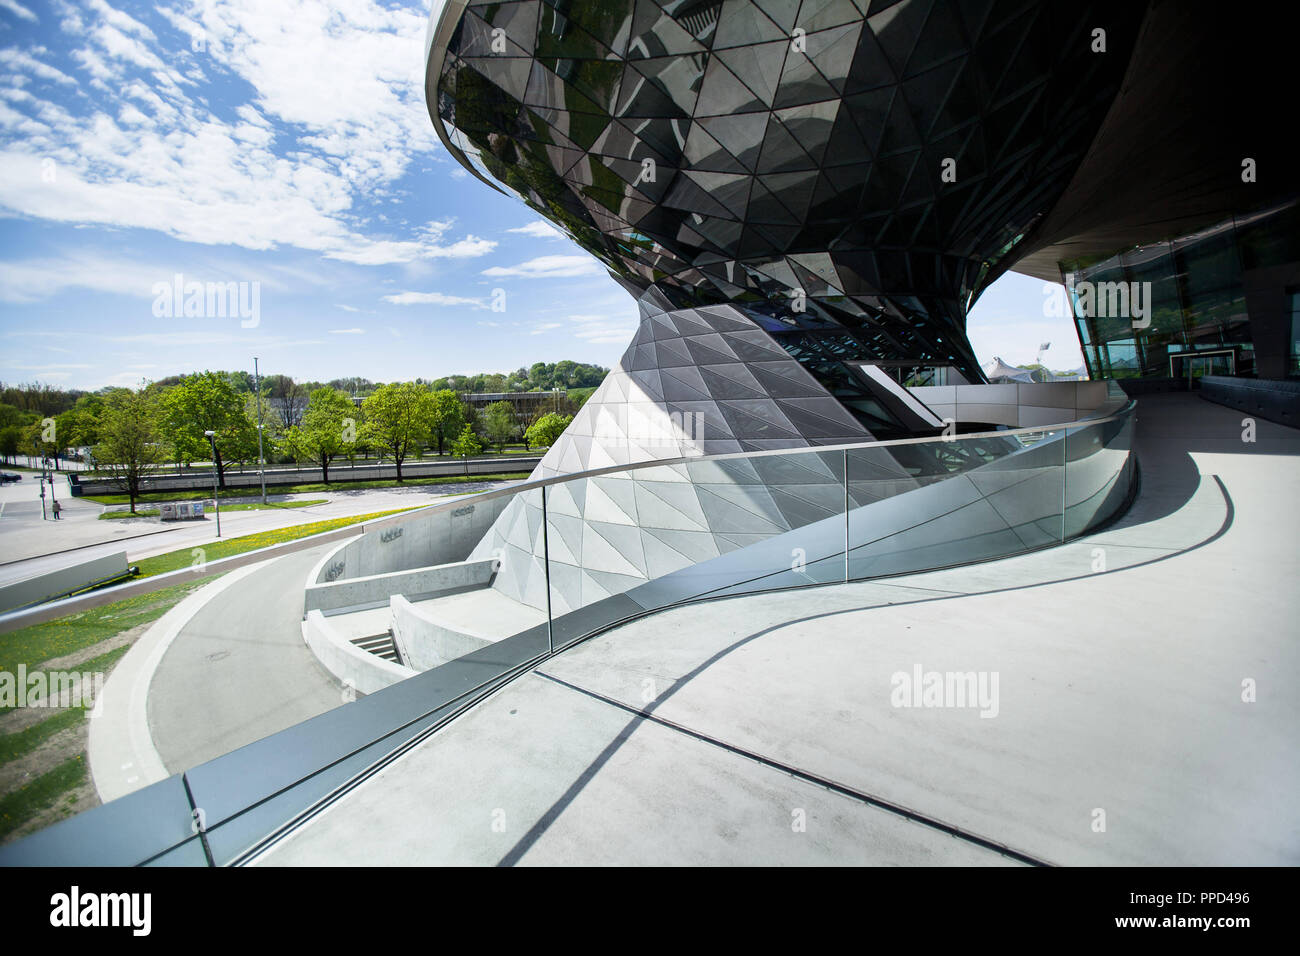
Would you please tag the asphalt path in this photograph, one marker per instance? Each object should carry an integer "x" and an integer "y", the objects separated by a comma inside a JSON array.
[{"x": 239, "y": 669}]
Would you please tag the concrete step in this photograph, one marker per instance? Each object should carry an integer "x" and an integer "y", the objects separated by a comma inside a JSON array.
[{"x": 381, "y": 645}]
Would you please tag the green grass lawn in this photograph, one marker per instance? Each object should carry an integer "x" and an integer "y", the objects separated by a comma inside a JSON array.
[
  {"x": 228, "y": 547},
  {"x": 22, "y": 742},
  {"x": 307, "y": 489},
  {"x": 19, "y": 806},
  {"x": 54, "y": 792},
  {"x": 15, "y": 745},
  {"x": 246, "y": 506},
  {"x": 66, "y": 635}
]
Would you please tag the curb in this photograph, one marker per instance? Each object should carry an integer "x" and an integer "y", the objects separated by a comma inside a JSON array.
[{"x": 121, "y": 751}]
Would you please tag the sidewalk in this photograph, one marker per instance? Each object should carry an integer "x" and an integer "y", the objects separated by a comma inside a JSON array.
[{"x": 30, "y": 546}]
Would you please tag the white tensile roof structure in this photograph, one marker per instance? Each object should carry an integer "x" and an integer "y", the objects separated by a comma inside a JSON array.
[{"x": 999, "y": 372}]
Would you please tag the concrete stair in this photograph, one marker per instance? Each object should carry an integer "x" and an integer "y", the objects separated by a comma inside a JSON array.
[{"x": 381, "y": 645}]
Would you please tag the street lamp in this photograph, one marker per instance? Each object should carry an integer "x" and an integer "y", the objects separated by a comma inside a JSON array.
[
  {"x": 53, "y": 472},
  {"x": 216, "y": 502},
  {"x": 261, "y": 459}
]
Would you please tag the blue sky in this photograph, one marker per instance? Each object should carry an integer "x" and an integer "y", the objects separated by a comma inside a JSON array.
[{"x": 286, "y": 143}]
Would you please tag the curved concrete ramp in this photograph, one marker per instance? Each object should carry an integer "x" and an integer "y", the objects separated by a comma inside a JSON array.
[
  {"x": 239, "y": 670},
  {"x": 1124, "y": 727}
]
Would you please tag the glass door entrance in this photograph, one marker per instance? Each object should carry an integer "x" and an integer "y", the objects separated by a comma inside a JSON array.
[{"x": 1191, "y": 366}]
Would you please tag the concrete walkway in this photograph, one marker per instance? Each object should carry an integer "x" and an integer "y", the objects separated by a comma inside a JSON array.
[
  {"x": 239, "y": 670},
  {"x": 764, "y": 729},
  {"x": 30, "y": 546}
]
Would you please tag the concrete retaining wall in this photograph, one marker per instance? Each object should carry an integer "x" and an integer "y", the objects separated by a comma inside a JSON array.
[
  {"x": 1015, "y": 405},
  {"x": 420, "y": 540},
  {"x": 349, "y": 663},
  {"x": 202, "y": 479},
  {"x": 424, "y": 642},
  {"x": 63, "y": 581},
  {"x": 374, "y": 590}
]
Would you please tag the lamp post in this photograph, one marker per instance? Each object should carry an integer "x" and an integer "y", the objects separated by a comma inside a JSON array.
[
  {"x": 216, "y": 502},
  {"x": 53, "y": 472},
  {"x": 261, "y": 460}
]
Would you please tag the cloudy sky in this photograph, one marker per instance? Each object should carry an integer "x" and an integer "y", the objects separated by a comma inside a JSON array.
[{"x": 285, "y": 143}]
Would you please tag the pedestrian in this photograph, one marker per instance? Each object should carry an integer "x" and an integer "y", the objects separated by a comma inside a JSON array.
[{"x": 57, "y": 508}]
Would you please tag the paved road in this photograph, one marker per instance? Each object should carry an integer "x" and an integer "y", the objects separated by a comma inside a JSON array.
[
  {"x": 239, "y": 670},
  {"x": 703, "y": 734},
  {"x": 26, "y": 542}
]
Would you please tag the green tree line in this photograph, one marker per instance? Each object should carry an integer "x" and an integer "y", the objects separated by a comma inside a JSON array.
[{"x": 129, "y": 434}]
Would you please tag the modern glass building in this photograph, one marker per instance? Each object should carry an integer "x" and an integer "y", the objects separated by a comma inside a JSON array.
[
  {"x": 846, "y": 177},
  {"x": 1202, "y": 287}
]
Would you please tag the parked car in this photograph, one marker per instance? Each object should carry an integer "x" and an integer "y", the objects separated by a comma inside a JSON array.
[{"x": 8, "y": 476}]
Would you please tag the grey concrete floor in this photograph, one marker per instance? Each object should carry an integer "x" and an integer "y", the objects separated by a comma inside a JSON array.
[
  {"x": 707, "y": 734},
  {"x": 239, "y": 670}
]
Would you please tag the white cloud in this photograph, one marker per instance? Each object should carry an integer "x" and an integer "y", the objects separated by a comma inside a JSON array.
[
  {"x": 613, "y": 327},
  {"x": 347, "y": 331},
  {"x": 345, "y": 86},
  {"x": 549, "y": 267},
  {"x": 28, "y": 63},
  {"x": 18, "y": 10},
  {"x": 30, "y": 280},
  {"x": 433, "y": 298},
  {"x": 48, "y": 368},
  {"x": 538, "y": 230},
  {"x": 545, "y": 327}
]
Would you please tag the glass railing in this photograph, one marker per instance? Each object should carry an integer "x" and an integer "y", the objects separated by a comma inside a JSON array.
[{"x": 569, "y": 557}]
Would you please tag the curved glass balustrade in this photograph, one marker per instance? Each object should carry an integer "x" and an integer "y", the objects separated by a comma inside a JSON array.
[{"x": 567, "y": 558}]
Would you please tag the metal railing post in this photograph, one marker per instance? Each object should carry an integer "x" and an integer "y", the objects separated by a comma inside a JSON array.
[
  {"x": 1065, "y": 471},
  {"x": 546, "y": 568},
  {"x": 845, "y": 452}
]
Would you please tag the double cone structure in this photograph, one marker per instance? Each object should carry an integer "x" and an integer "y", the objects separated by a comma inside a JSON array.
[{"x": 805, "y": 197}]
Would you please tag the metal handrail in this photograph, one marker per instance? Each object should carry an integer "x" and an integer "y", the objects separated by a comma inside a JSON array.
[
  {"x": 533, "y": 483},
  {"x": 419, "y": 719},
  {"x": 14, "y": 619}
]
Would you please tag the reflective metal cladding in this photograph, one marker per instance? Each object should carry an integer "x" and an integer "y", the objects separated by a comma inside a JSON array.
[{"x": 848, "y": 174}]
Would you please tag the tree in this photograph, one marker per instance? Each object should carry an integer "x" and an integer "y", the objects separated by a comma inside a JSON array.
[
  {"x": 41, "y": 439},
  {"x": 129, "y": 446},
  {"x": 78, "y": 427},
  {"x": 10, "y": 439},
  {"x": 208, "y": 402},
  {"x": 499, "y": 423},
  {"x": 446, "y": 415},
  {"x": 354, "y": 385},
  {"x": 467, "y": 444},
  {"x": 564, "y": 373},
  {"x": 288, "y": 398},
  {"x": 328, "y": 429},
  {"x": 397, "y": 419},
  {"x": 547, "y": 429}
]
